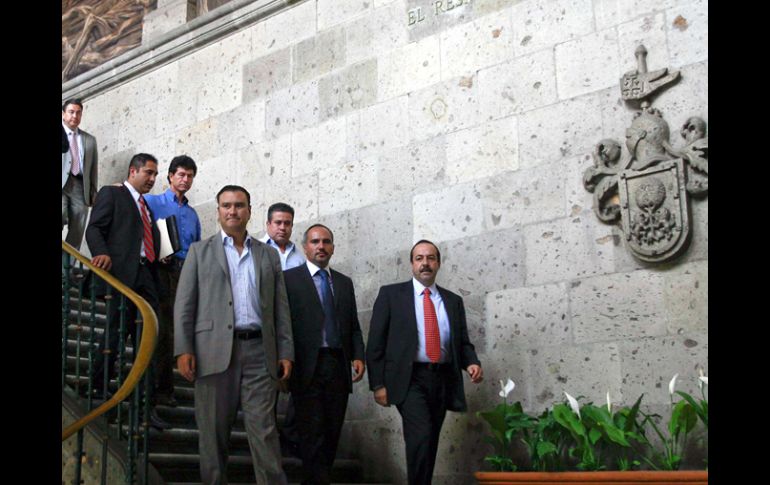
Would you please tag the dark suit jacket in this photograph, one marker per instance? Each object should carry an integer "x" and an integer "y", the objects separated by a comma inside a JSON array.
[
  {"x": 116, "y": 229},
  {"x": 307, "y": 319},
  {"x": 393, "y": 343}
]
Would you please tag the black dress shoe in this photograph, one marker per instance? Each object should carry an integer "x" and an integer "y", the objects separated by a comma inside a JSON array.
[
  {"x": 166, "y": 400},
  {"x": 156, "y": 421}
]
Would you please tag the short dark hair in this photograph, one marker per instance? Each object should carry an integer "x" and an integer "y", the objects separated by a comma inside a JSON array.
[
  {"x": 307, "y": 231},
  {"x": 75, "y": 101},
  {"x": 182, "y": 161},
  {"x": 425, "y": 241},
  {"x": 279, "y": 207},
  {"x": 234, "y": 188},
  {"x": 140, "y": 160}
]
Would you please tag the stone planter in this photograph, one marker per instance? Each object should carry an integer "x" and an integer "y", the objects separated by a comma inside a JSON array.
[{"x": 590, "y": 478}]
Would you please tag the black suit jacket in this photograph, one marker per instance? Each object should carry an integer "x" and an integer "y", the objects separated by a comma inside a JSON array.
[
  {"x": 307, "y": 320},
  {"x": 393, "y": 343},
  {"x": 116, "y": 229}
]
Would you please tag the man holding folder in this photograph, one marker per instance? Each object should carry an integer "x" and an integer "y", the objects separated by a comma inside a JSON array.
[{"x": 173, "y": 202}]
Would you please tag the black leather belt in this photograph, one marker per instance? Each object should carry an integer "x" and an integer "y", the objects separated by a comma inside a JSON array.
[
  {"x": 248, "y": 334},
  {"x": 430, "y": 366}
]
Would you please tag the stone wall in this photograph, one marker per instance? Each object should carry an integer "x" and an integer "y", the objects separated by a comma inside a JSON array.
[{"x": 471, "y": 127}]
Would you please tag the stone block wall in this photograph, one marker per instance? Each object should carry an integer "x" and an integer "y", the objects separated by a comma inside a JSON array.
[{"x": 470, "y": 127}]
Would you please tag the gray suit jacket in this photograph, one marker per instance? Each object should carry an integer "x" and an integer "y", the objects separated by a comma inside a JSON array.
[
  {"x": 90, "y": 167},
  {"x": 204, "y": 321}
]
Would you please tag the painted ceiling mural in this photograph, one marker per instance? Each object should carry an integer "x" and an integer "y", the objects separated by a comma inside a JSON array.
[{"x": 95, "y": 31}]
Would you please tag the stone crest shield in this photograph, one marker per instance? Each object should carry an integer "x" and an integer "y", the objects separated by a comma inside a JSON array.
[
  {"x": 646, "y": 190},
  {"x": 654, "y": 210}
]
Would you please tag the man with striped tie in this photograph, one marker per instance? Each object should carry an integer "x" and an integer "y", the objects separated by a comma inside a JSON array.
[
  {"x": 125, "y": 241},
  {"x": 79, "y": 169}
]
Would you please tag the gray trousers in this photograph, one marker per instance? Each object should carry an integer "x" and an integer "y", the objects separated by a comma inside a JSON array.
[
  {"x": 247, "y": 384},
  {"x": 74, "y": 211}
]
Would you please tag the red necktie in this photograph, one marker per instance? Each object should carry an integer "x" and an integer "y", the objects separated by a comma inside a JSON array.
[
  {"x": 149, "y": 249},
  {"x": 432, "y": 336},
  {"x": 75, "y": 154}
]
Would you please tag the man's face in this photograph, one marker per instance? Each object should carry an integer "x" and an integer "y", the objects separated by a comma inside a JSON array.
[
  {"x": 233, "y": 212},
  {"x": 181, "y": 181},
  {"x": 425, "y": 263},
  {"x": 279, "y": 228},
  {"x": 71, "y": 116},
  {"x": 143, "y": 178},
  {"x": 319, "y": 247}
]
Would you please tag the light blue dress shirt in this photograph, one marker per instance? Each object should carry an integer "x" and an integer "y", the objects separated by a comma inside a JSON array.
[
  {"x": 165, "y": 205},
  {"x": 248, "y": 315},
  {"x": 291, "y": 258}
]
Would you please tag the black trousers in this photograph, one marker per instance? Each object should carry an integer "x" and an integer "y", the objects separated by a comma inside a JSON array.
[
  {"x": 168, "y": 274},
  {"x": 146, "y": 288},
  {"x": 422, "y": 414},
  {"x": 320, "y": 413}
]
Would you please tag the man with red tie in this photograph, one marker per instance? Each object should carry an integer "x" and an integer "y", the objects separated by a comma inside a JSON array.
[
  {"x": 418, "y": 345},
  {"x": 125, "y": 241}
]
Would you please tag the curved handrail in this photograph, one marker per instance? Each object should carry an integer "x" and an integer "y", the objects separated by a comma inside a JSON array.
[{"x": 146, "y": 345}]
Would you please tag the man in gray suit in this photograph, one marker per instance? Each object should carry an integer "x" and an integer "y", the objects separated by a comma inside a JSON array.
[
  {"x": 232, "y": 337},
  {"x": 78, "y": 173}
]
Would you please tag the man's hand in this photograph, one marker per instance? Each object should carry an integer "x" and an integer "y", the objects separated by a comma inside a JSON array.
[
  {"x": 284, "y": 369},
  {"x": 359, "y": 367},
  {"x": 381, "y": 396},
  {"x": 477, "y": 375},
  {"x": 102, "y": 261},
  {"x": 186, "y": 365}
]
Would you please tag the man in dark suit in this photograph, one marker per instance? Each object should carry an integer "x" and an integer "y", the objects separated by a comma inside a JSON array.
[
  {"x": 327, "y": 339},
  {"x": 79, "y": 168},
  {"x": 124, "y": 240},
  {"x": 418, "y": 345}
]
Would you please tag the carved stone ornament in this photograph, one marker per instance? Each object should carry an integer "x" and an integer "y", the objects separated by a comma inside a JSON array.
[{"x": 646, "y": 190}]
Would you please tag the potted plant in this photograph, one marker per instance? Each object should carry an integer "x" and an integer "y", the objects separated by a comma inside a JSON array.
[{"x": 570, "y": 443}]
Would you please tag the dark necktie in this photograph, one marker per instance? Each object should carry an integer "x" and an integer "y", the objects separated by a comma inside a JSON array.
[
  {"x": 149, "y": 248},
  {"x": 330, "y": 319},
  {"x": 432, "y": 335}
]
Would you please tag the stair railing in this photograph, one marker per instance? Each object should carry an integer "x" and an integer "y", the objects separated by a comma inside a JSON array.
[{"x": 143, "y": 359}]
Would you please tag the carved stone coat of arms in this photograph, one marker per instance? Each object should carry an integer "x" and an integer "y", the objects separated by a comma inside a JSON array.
[{"x": 647, "y": 190}]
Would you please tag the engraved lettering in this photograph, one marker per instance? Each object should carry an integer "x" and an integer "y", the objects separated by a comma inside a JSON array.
[
  {"x": 415, "y": 16},
  {"x": 438, "y": 6}
]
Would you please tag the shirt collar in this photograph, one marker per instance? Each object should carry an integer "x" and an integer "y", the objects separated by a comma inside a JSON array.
[
  {"x": 313, "y": 268},
  {"x": 229, "y": 240},
  {"x": 134, "y": 193},
  {"x": 269, "y": 241},
  {"x": 171, "y": 197},
  {"x": 68, "y": 129},
  {"x": 419, "y": 288}
]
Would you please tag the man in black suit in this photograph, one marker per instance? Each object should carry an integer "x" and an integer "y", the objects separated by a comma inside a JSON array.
[
  {"x": 327, "y": 339},
  {"x": 125, "y": 241},
  {"x": 418, "y": 344}
]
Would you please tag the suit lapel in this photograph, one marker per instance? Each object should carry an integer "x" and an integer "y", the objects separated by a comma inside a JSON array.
[
  {"x": 310, "y": 288},
  {"x": 257, "y": 253},
  {"x": 219, "y": 253},
  {"x": 407, "y": 299}
]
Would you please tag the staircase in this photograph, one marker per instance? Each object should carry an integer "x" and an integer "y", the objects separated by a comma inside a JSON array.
[{"x": 174, "y": 452}]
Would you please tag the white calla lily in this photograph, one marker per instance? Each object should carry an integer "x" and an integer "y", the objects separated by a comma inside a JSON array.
[
  {"x": 704, "y": 379},
  {"x": 672, "y": 384},
  {"x": 573, "y": 404},
  {"x": 506, "y": 388},
  {"x": 609, "y": 402}
]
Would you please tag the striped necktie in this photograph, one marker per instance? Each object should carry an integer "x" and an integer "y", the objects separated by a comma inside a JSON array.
[{"x": 149, "y": 248}]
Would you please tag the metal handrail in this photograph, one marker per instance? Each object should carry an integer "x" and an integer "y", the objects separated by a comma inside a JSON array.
[{"x": 146, "y": 345}]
